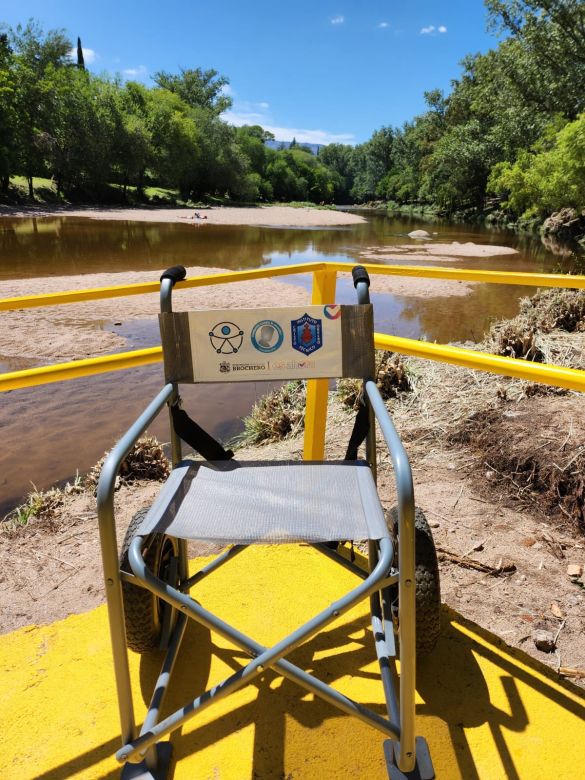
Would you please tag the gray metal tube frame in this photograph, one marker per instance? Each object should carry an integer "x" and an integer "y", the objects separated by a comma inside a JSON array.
[
  {"x": 166, "y": 305},
  {"x": 406, "y": 577},
  {"x": 151, "y": 732},
  {"x": 263, "y": 657},
  {"x": 109, "y": 548}
]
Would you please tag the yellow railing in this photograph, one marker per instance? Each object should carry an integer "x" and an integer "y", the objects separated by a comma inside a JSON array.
[{"x": 324, "y": 285}]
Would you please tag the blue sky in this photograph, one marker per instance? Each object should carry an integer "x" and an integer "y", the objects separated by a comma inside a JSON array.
[{"x": 321, "y": 71}]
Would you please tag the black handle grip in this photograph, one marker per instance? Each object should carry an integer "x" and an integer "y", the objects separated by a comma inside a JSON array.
[
  {"x": 360, "y": 274},
  {"x": 176, "y": 273}
]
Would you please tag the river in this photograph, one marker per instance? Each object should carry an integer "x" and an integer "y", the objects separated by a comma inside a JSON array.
[{"x": 49, "y": 432}]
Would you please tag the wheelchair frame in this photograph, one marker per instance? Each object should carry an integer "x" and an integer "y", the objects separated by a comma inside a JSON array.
[{"x": 142, "y": 752}]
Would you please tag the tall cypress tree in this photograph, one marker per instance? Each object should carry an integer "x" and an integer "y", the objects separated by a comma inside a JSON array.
[{"x": 80, "y": 62}]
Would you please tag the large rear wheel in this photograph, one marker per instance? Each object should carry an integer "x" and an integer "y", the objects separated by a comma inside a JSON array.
[
  {"x": 428, "y": 589},
  {"x": 143, "y": 611}
]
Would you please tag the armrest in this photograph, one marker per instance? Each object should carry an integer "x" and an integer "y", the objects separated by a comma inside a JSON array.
[
  {"x": 404, "y": 486},
  {"x": 406, "y": 575},
  {"x": 111, "y": 467}
]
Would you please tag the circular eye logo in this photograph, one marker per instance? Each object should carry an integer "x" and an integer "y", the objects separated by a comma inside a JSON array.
[
  {"x": 267, "y": 336},
  {"x": 226, "y": 338}
]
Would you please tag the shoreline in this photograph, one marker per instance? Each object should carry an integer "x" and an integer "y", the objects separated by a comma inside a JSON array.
[
  {"x": 49, "y": 334},
  {"x": 261, "y": 216},
  {"x": 449, "y": 483}
]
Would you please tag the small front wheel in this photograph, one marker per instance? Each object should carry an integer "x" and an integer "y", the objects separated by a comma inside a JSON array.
[
  {"x": 428, "y": 589},
  {"x": 143, "y": 611}
]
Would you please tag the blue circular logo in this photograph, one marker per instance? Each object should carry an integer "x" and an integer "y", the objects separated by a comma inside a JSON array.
[{"x": 267, "y": 336}]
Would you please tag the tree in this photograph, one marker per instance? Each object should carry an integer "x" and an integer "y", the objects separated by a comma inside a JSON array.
[
  {"x": 198, "y": 88},
  {"x": 80, "y": 60},
  {"x": 552, "y": 35},
  {"x": 372, "y": 162},
  {"x": 338, "y": 159},
  {"x": 548, "y": 178},
  {"x": 34, "y": 54},
  {"x": 8, "y": 117}
]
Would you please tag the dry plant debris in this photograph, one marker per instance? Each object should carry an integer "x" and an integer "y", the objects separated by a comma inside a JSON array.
[
  {"x": 392, "y": 379},
  {"x": 145, "y": 461},
  {"x": 277, "y": 416}
]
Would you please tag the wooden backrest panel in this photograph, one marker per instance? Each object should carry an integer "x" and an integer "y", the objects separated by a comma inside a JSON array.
[{"x": 301, "y": 342}]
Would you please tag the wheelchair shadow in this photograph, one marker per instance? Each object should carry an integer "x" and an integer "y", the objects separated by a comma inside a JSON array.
[{"x": 454, "y": 692}]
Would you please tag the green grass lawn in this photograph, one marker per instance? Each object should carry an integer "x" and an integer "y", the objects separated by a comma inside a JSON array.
[
  {"x": 46, "y": 192},
  {"x": 45, "y": 189}
]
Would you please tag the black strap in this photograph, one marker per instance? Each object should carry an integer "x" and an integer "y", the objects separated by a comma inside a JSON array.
[
  {"x": 360, "y": 430},
  {"x": 196, "y": 437}
]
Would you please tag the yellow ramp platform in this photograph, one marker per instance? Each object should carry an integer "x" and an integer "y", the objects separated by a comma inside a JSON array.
[{"x": 487, "y": 712}]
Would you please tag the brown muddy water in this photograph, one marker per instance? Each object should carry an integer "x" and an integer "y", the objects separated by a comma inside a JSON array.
[{"x": 50, "y": 432}]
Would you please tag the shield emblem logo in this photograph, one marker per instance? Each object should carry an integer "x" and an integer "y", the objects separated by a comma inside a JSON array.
[{"x": 307, "y": 334}]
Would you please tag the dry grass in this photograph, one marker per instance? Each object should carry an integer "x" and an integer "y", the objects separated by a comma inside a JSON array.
[
  {"x": 541, "y": 314},
  {"x": 555, "y": 309},
  {"x": 534, "y": 455},
  {"x": 145, "y": 461},
  {"x": 391, "y": 378},
  {"x": 277, "y": 416},
  {"x": 41, "y": 508},
  {"x": 516, "y": 339},
  {"x": 514, "y": 431}
]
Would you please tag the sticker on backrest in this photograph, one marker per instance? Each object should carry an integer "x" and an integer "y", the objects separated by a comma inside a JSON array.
[{"x": 302, "y": 342}]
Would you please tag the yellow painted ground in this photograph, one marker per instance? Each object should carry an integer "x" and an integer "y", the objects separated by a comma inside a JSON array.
[{"x": 487, "y": 712}]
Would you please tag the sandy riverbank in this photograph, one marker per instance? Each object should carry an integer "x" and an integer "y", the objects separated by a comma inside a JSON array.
[
  {"x": 76, "y": 331},
  {"x": 435, "y": 251},
  {"x": 274, "y": 216},
  {"x": 477, "y": 522},
  {"x": 80, "y": 330}
]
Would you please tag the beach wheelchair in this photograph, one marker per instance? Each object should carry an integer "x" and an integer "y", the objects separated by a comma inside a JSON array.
[{"x": 236, "y": 504}]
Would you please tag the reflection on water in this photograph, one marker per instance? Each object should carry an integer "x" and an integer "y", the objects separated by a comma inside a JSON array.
[
  {"x": 49, "y": 432},
  {"x": 72, "y": 245}
]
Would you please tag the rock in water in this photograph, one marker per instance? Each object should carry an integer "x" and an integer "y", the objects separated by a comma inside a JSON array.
[{"x": 419, "y": 234}]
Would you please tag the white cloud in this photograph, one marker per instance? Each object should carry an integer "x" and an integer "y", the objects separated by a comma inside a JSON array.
[
  {"x": 304, "y": 136},
  {"x": 239, "y": 117},
  {"x": 256, "y": 113},
  {"x": 336, "y": 20},
  {"x": 136, "y": 73},
  {"x": 431, "y": 29},
  {"x": 383, "y": 25},
  {"x": 227, "y": 90},
  {"x": 89, "y": 55}
]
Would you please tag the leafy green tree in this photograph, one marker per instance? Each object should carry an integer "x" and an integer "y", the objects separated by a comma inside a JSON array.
[
  {"x": 552, "y": 34},
  {"x": 285, "y": 182},
  {"x": 372, "y": 162},
  {"x": 547, "y": 179},
  {"x": 198, "y": 88},
  {"x": 34, "y": 54},
  {"x": 8, "y": 117},
  {"x": 338, "y": 159}
]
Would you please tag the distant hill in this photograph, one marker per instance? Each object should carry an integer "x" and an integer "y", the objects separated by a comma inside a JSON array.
[{"x": 285, "y": 144}]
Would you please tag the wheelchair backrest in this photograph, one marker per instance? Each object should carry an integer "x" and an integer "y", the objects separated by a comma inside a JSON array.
[{"x": 301, "y": 342}]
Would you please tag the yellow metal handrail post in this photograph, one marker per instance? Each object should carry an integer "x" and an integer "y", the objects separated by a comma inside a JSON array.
[{"x": 324, "y": 284}]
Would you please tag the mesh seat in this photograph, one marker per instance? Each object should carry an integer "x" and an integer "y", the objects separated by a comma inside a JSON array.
[{"x": 268, "y": 502}]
